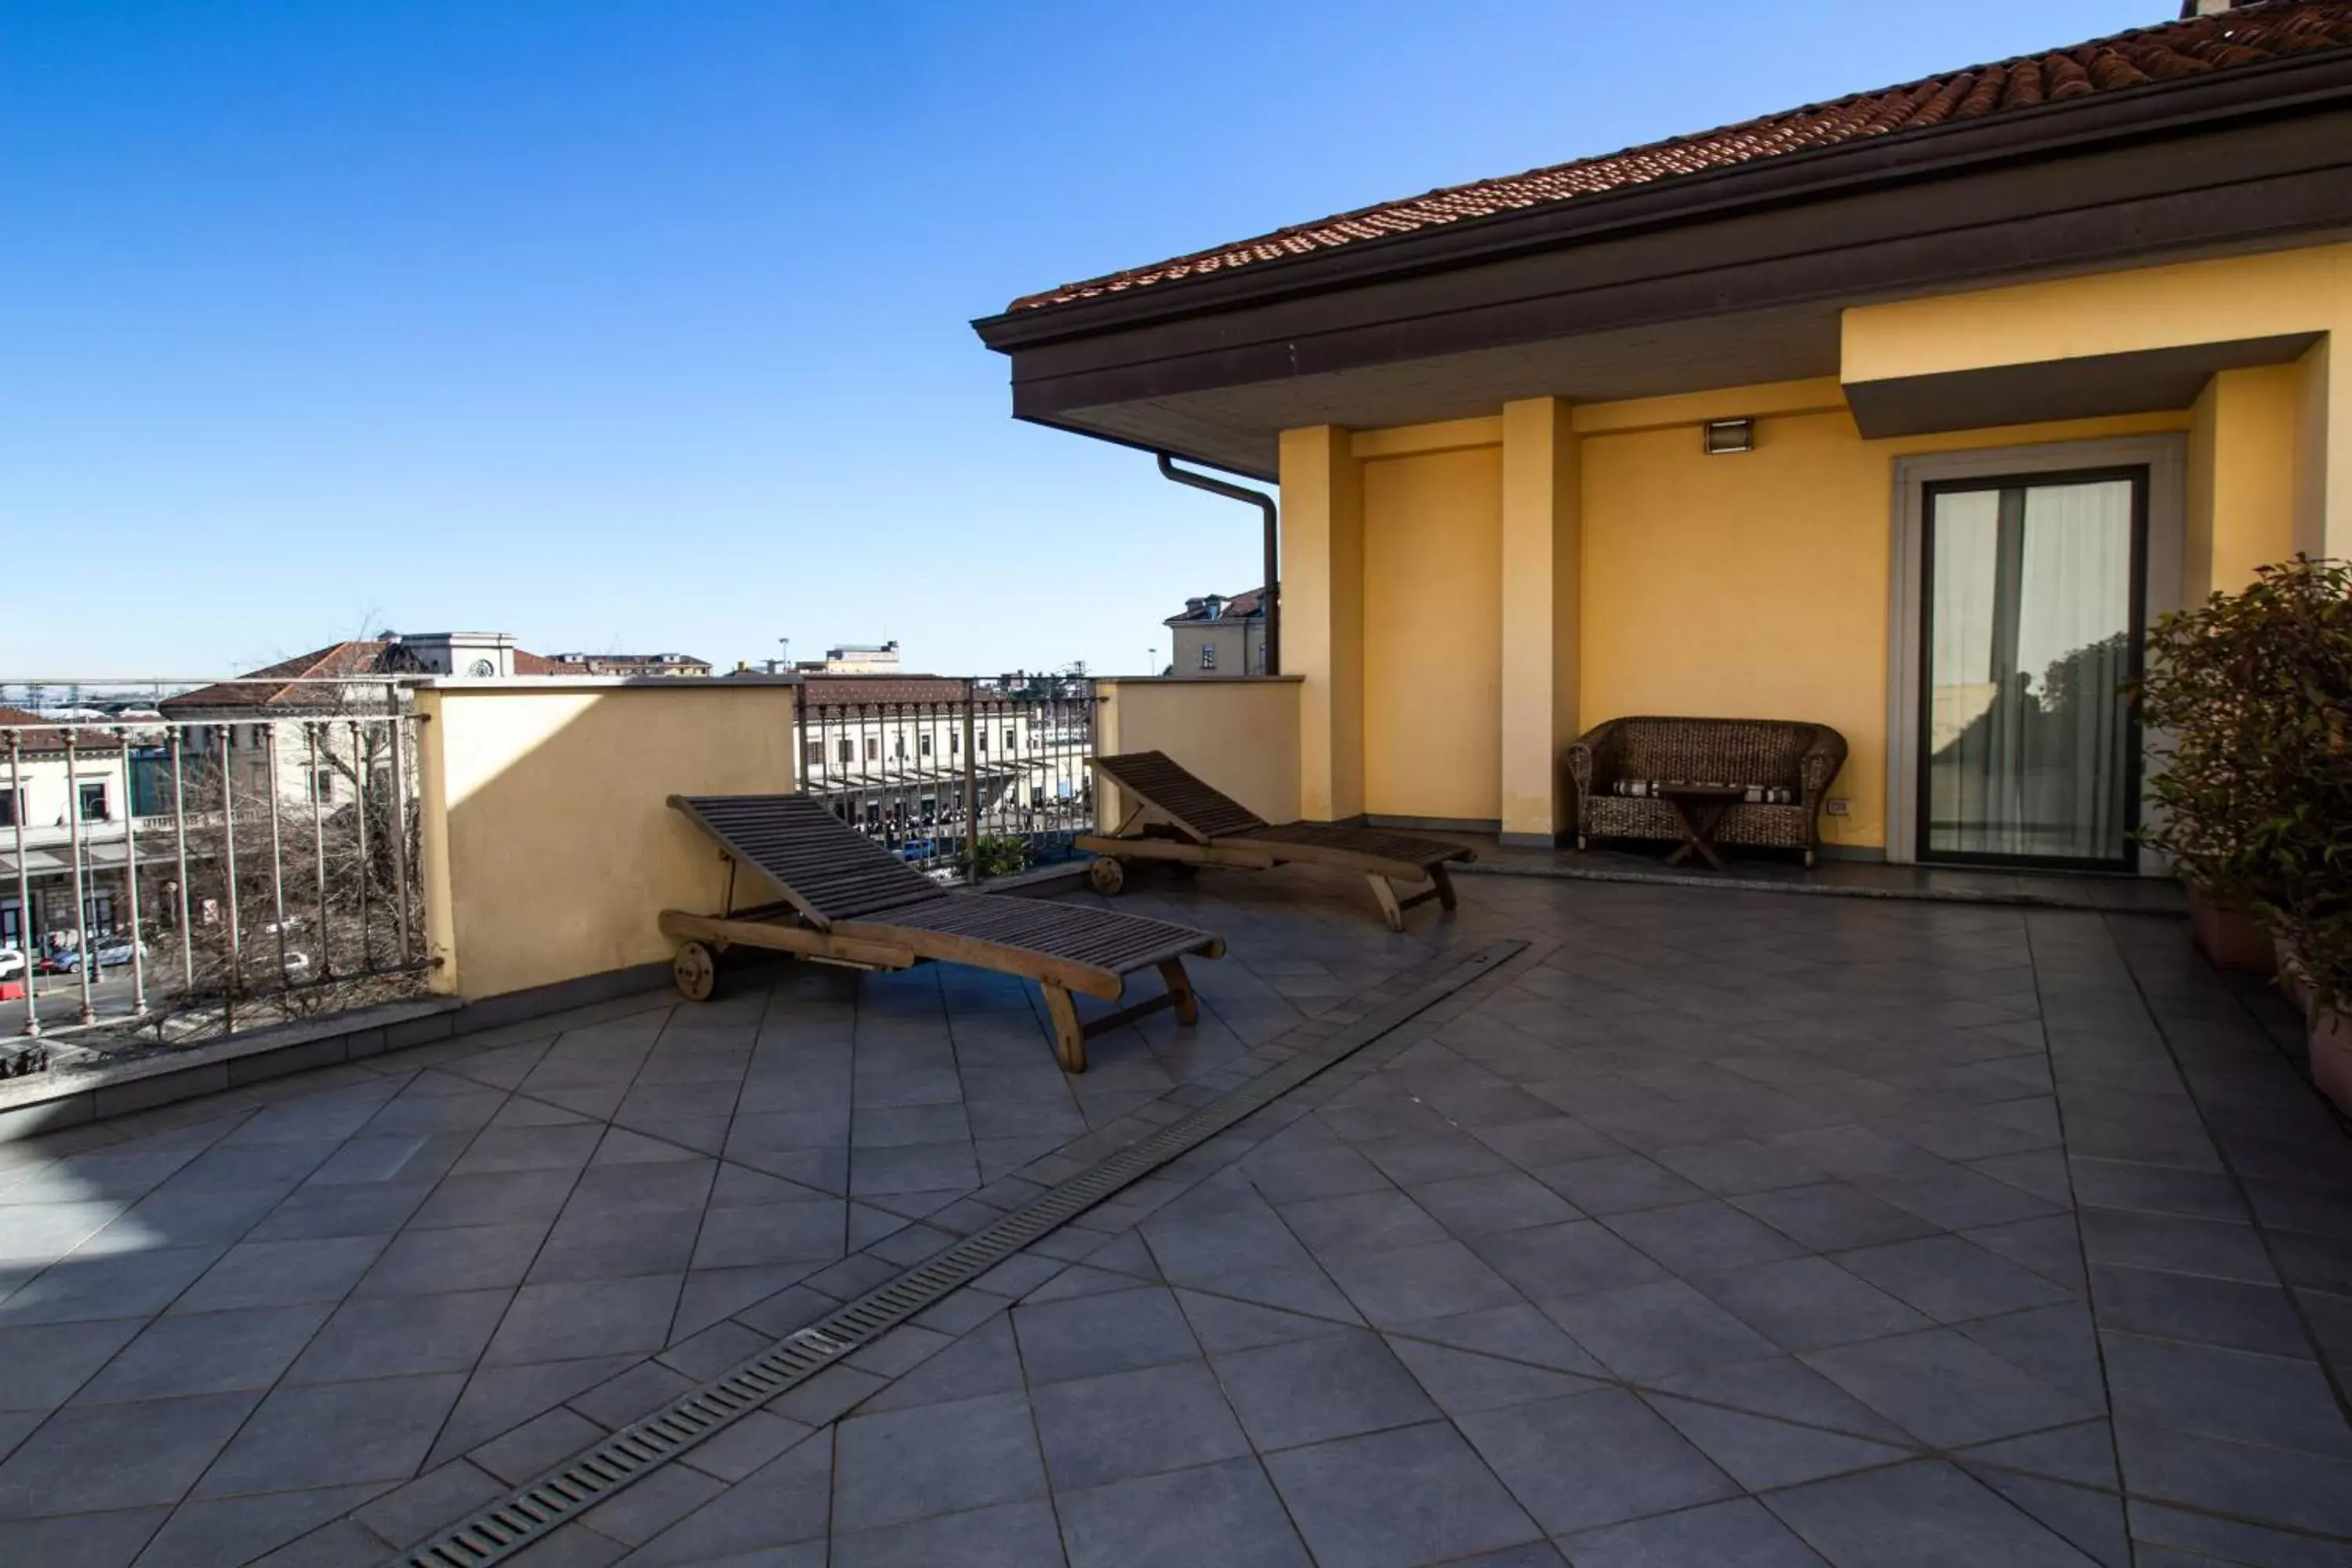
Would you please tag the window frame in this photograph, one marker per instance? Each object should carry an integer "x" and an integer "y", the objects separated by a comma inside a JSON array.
[{"x": 2164, "y": 586}]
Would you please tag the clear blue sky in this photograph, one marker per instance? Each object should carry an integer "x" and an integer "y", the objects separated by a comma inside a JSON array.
[{"x": 644, "y": 325}]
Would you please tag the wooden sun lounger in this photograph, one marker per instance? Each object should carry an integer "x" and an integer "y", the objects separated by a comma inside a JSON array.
[
  {"x": 848, "y": 900},
  {"x": 1204, "y": 828}
]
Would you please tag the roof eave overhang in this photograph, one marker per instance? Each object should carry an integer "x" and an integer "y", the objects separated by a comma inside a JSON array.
[{"x": 2278, "y": 88}]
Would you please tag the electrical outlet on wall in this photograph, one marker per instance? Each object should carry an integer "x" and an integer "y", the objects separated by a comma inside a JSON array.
[{"x": 1835, "y": 805}]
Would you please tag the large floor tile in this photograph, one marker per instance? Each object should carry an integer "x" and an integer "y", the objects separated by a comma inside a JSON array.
[
  {"x": 942, "y": 1458},
  {"x": 1397, "y": 1499},
  {"x": 1629, "y": 1463}
]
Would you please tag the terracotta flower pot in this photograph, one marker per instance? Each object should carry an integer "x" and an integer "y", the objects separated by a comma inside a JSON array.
[
  {"x": 2229, "y": 938},
  {"x": 2292, "y": 979},
  {"x": 2331, "y": 1056}
]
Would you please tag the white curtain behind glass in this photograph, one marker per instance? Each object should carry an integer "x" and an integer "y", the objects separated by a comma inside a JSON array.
[{"x": 2029, "y": 644}]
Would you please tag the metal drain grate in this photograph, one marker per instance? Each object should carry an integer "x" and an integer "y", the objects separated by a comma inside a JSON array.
[{"x": 537, "y": 1507}]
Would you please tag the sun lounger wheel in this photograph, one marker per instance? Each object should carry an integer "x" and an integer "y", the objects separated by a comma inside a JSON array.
[
  {"x": 696, "y": 970},
  {"x": 1107, "y": 876}
]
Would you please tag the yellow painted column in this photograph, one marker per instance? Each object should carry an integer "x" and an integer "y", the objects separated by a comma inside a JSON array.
[
  {"x": 1323, "y": 615},
  {"x": 2322, "y": 488},
  {"x": 1542, "y": 549},
  {"x": 433, "y": 842},
  {"x": 2243, "y": 464},
  {"x": 1112, "y": 806}
]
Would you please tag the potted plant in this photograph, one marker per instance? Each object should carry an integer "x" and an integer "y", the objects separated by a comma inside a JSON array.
[
  {"x": 2238, "y": 694},
  {"x": 2319, "y": 971},
  {"x": 2304, "y": 850},
  {"x": 2252, "y": 696}
]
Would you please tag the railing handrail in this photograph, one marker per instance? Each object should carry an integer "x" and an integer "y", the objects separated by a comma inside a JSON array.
[
  {"x": 257, "y": 716},
  {"x": 356, "y": 680}
]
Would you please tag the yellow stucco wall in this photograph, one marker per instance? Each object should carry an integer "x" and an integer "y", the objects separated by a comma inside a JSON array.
[
  {"x": 1757, "y": 585},
  {"x": 2243, "y": 469},
  {"x": 2305, "y": 289},
  {"x": 2279, "y": 293},
  {"x": 1433, "y": 634},
  {"x": 1238, "y": 736},
  {"x": 1749, "y": 586},
  {"x": 549, "y": 847}
]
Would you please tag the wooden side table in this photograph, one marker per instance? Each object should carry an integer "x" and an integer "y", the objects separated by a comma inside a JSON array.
[{"x": 1700, "y": 809}]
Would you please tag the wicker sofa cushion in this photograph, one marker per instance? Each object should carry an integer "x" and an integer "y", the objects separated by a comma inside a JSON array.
[
  {"x": 1758, "y": 793},
  {"x": 1742, "y": 751}
]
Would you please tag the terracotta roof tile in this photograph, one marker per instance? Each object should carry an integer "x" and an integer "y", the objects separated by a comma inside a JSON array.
[
  {"x": 34, "y": 739},
  {"x": 843, "y": 689},
  {"x": 274, "y": 684},
  {"x": 1235, "y": 608},
  {"x": 2248, "y": 34}
]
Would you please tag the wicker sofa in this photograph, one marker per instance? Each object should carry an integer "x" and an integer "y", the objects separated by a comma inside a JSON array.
[{"x": 1787, "y": 767}]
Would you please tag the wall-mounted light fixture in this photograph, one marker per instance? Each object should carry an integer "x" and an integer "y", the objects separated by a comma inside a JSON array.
[{"x": 1725, "y": 435}]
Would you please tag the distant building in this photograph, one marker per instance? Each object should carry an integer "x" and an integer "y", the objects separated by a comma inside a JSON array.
[
  {"x": 888, "y": 752},
  {"x": 1217, "y": 636},
  {"x": 240, "y": 724},
  {"x": 854, "y": 658},
  {"x": 479, "y": 656},
  {"x": 49, "y": 799},
  {"x": 658, "y": 664}
]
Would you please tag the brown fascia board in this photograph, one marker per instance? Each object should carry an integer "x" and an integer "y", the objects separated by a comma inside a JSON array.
[
  {"x": 2297, "y": 84},
  {"x": 2250, "y": 186}
]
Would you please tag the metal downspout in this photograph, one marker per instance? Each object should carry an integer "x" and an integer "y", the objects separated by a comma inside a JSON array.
[{"x": 1271, "y": 591}]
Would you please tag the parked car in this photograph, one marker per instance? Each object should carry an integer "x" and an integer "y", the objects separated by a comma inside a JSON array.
[
  {"x": 113, "y": 952},
  {"x": 12, "y": 963}
]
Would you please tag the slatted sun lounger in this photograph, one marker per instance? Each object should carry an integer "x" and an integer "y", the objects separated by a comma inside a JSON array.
[
  {"x": 848, "y": 900},
  {"x": 1204, "y": 828}
]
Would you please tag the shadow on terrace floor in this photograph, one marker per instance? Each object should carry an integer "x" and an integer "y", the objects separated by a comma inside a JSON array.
[
  {"x": 1716, "y": 1223},
  {"x": 1785, "y": 871}
]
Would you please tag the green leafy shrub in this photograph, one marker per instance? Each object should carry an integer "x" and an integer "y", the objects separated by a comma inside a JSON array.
[
  {"x": 2250, "y": 697},
  {"x": 1001, "y": 854}
]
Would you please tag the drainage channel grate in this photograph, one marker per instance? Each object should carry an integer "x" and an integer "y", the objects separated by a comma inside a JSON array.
[{"x": 533, "y": 1510}]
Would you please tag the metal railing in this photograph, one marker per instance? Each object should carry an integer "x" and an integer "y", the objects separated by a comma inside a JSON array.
[
  {"x": 181, "y": 862},
  {"x": 962, "y": 778}
]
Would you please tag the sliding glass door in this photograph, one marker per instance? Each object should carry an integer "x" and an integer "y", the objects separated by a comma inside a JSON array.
[{"x": 2032, "y": 589}]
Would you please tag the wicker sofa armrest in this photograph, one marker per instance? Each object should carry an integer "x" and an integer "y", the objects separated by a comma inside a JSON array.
[
  {"x": 1592, "y": 755},
  {"x": 1819, "y": 763}
]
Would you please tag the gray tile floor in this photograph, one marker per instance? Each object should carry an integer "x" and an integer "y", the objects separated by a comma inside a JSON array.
[
  {"x": 1624, "y": 860},
  {"x": 1717, "y": 1228}
]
